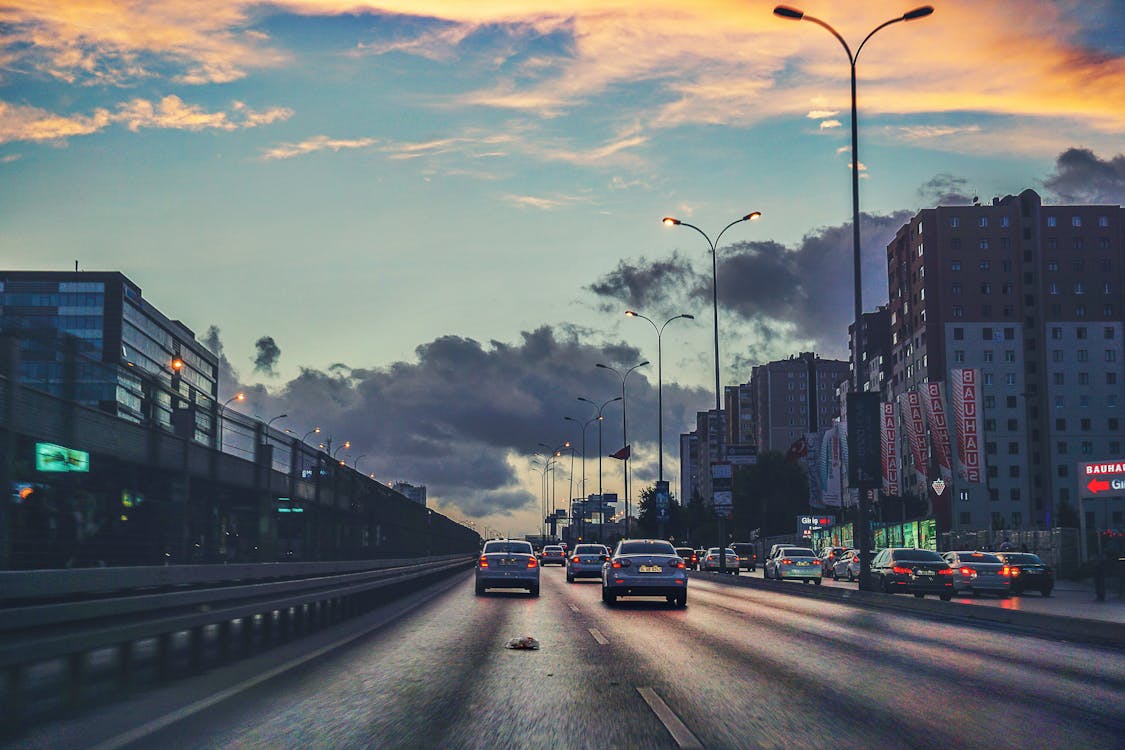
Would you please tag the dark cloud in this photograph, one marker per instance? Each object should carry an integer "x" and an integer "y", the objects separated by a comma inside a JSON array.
[
  {"x": 268, "y": 353},
  {"x": 228, "y": 378},
  {"x": 945, "y": 190},
  {"x": 1081, "y": 177},
  {"x": 804, "y": 292},
  {"x": 453, "y": 418}
]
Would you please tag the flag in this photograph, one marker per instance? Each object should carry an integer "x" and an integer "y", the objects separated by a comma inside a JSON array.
[
  {"x": 621, "y": 455},
  {"x": 799, "y": 449}
]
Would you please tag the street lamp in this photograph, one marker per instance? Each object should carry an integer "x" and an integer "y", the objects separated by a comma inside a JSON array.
[
  {"x": 624, "y": 434},
  {"x": 347, "y": 444},
  {"x": 274, "y": 419},
  {"x": 310, "y": 432},
  {"x": 355, "y": 461},
  {"x": 236, "y": 397},
  {"x": 601, "y": 498},
  {"x": 794, "y": 14},
  {"x": 659, "y": 376},
  {"x": 585, "y": 424}
]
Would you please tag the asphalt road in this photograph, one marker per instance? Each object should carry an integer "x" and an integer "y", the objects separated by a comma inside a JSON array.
[{"x": 738, "y": 668}]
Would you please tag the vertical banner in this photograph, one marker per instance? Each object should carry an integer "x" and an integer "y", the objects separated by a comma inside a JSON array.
[
  {"x": 831, "y": 461},
  {"x": 939, "y": 428},
  {"x": 864, "y": 443},
  {"x": 912, "y": 419},
  {"x": 965, "y": 385},
  {"x": 811, "y": 459},
  {"x": 889, "y": 434}
]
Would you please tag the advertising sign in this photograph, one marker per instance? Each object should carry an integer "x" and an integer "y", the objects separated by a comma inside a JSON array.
[
  {"x": 889, "y": 434},
  {"x": 830, "y": 461},
  {"x": 742, "y": 455},
  {"x": 53, "y": 458},
  {"x": 1102, "y": 479},
  {"x": 864, "y": 449},
  {"x": 939, "y": 428},
  {"x": 967, "y": 420},
  {"x": 806, "y": 525},
  {"x": 662, "y": 498},
  {"x": 912, "y": 419},
  {"x": 721, "y": 497}
]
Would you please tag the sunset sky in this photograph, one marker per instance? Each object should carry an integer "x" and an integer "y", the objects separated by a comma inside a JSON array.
[{"x": 439, "y": 211}]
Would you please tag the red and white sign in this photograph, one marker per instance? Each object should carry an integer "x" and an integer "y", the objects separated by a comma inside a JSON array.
[
  {"x": 889, "y": 436},
  {"x": 915, "y": 425},
  {"x": 1102, "y": 479},
  {"x": 965, "y": 385},
  {"x": 939, "y": 428}
]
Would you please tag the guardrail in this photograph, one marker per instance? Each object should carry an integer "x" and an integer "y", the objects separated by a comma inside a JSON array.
[{"x": 165, "y": 621}]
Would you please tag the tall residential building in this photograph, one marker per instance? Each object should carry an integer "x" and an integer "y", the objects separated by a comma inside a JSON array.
[
  {"x": 794, "y": 396},
  {"x": 738, "y": 403},
  {"x": 875, "y": 353},
  {"x": 710, "y": 439},
  {"x": 414, "y": 492},
  {"x": 689, "y": 467},
  {"x": 1032, "y": 296},
  {"x": 91, "y": 337}
]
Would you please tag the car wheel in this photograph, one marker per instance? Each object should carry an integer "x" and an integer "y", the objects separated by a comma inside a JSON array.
[
  {"x": 736, "y": 571},
  {"x": 946, "y": 597},
  {"x": 534, "y": 591},
  {"x": 569, "y": 578},
  {"x": 480, "y": 590},
  {"x": 886, "y": 586},
  {"x": 851, "y": 576},
  {"x": 816, "y": 581},
  {"x": 681, "y": 600}
]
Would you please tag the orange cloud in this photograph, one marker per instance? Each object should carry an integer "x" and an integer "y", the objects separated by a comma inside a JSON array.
[{"x": 314, "y": 144}]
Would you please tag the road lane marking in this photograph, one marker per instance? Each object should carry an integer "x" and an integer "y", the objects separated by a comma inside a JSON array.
[
  {"x": 679, "y": 731},
  {"x": 574, "y": 609},
  {"x": 601, "y": 639}
]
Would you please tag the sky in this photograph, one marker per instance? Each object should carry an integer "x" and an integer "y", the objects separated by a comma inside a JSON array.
[{"x": 418, "y": 224}]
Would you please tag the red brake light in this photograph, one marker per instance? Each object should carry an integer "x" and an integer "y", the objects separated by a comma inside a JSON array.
[
  {"x": 575, "y": 560},
  {"x": 617, "y": 563},
  {"x": 1006, "y": 571},
  {"x": 904, "y": 571},
  {"x": 532, "y": 562},
  {"x": 787, "y": 561},
  {"x": 676, "y": 563},
  {"x": 966, "y": 571},
  {"x": 945, "y": 572},
  {"x": 483, "y": 561},
  {"x": 1014, "y": 572}
]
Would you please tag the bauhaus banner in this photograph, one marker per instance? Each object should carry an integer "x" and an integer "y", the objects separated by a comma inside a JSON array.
[
  {"x": 965, "y": 387},
  {"x": 915, "y": 425},
  {"x": 889, "y": 435},
  {"x": 939, "y": 428}
]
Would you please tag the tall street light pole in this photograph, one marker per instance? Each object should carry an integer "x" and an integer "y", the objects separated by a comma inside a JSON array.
[
  {"x": 582, "y": 526},
  {"x": 601, "y": 497},
  {"x": 669, "y": 221},
  {"x": 793, "y": 14},
  {"x": 236, "y": 397},
  {"x": 625, "y": 436}
]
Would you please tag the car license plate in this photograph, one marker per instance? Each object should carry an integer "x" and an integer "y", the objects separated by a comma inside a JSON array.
[
  {"x": 650, "y": 568},
  {"x": 927, "y": 573}
]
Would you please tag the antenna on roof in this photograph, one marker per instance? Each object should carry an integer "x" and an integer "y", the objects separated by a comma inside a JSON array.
[{"x": 76, "y": 265}]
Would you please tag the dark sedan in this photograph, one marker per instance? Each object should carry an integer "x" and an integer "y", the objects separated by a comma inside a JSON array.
[
  {"x": 912, "y": 571},
  {"x": 1028, "y": 571}
]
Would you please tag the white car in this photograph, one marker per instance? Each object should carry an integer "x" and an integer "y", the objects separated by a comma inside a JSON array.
[
  {"x": 711, "y": 561},
  {"x": 794, "y": 563}
]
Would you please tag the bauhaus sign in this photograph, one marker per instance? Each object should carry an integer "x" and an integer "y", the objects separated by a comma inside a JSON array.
[{"x": 1102, "y": 479}]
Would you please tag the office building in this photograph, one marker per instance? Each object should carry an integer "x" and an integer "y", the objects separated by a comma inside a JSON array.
[{"x": 794, "y": 396}]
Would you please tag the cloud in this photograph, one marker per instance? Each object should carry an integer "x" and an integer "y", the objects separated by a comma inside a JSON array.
[
  {"x": 464, "y": 417},
  {"x": 23, "y": 123},
  {"x": 783, "y": 296},
  {"x": 314, "y": 144},
  {"x": 829, "y": 124},
  {"x": 268, "y": 353},
  {"x": 228, "y": 377},
  {"x": 544, "y": 204},
  {"x": 944, "y": 190},
  {"x": 1080, "y": 176}
]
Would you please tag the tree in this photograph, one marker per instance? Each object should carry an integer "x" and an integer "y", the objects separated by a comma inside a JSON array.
[{"x": 1067, "y": 516}]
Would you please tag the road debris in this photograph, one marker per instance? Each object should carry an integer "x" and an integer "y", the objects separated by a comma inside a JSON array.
[{"x": 527, "y": 643}]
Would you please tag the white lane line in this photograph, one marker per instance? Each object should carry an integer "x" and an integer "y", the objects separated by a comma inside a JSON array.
[
  {"x": 601, "y": 639},
  {"x": 574, "y": 609},
  {"x": 679, "y": 731}
]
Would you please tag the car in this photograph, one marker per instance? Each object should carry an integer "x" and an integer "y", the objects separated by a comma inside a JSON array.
[
  {"x": 912, "y": 571},
  {"x": 795, "y": 563},
  {"x": 645, "y": 567},
  {"x": 828, "y": 557},
  {"x": 747, "y": 555},
  {"x": 978, "y": 572},
  {"x": 711, "y": 562},
  {"x": 846, "y": 566},
  {"x": 691, "y": 559},
  {"x": 586, "y": 562},
  {"x": 507, "y": 564},
  {"x": 552, "y": 554},
  {"x": 1028, "y": 571}
]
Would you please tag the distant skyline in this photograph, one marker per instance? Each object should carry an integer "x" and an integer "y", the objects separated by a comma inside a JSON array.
[{"x": 420, "y": 223}]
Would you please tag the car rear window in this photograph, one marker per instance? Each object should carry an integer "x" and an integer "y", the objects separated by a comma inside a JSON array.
[
  {"x": 1024, "y": 559},
  {"x": 918, "y": 555},
  {"x": 799, "y": 552},
  {"x": 589, "y": 549},
  {"x": 646, "y": 548},
  {"x": 982, "y": 557},
  {"x": 523, "y": 548},
  {"x": 552, "y": 548}
]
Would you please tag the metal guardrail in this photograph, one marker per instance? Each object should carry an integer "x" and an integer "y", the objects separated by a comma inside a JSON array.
[{"x": 121, "y": 608}]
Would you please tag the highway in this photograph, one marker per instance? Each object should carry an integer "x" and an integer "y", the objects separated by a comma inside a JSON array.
[{"x": 738, "y": 668}]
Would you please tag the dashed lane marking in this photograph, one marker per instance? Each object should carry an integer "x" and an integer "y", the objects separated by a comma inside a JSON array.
[
  {"x": 685, "y": 740},
  {"x": 601, "y": 639}
]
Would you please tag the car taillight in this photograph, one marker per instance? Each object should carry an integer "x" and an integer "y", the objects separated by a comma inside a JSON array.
[
  {"x": 1014, "y": 572},
  {"x": 966, "y": 571},
  {"x": 483, "y": 561},
  {"x": 903, "y": 571},
  {"x": 1006, "y": 571},
  {"x": 532, "y": 563},
  {"x": 617, "y": 563},
  {"x": 945, "y": 572},
  {"x": 787, "y": 561},
  {"x": 676, "y": 563},
  {"x": 575, "y": 560}
]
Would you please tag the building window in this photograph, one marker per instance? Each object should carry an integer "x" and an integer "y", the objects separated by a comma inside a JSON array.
[
  {"x": 1084, "y": 401},
  {"x": 1103, "y": 221},
  {"x": 1013, "y": 425},
  {"x": 919, "y": 249},
  {"x": 1052, "y": 288},
  {"x": 1060, "y": 378},
  {"x": 956, "y": 289},
  {"x": 1010, "y": 379},
  {"x": 1110, "y": 355},
  {"x": 1056, "y": 355},
  {"x": 1062, "y": 470},
  {"x": 1052, "y": 243},
  {"x": 1076, "y": 221},
  {"x": 1111, "y": 378},
  {"x": 954, "y": 222},
  {"x": 1083, "y": 378},
  {"x": 986, "y": 288},
  {"x": 958, "y": 334},
  {"x": 1052, "y": 221},
  {"x": 1115, "y": 447},
  {"x": 1056, "y": 332},
  {"x": 984, "y": 244},
  {"x": 1078, "y": 244},
  {"x": 1085, "y": 424},
  {"x": 1080, "y": 311},
  {"x": 966, "y": 518},
  {"x": 990, "y": 449},
  {"x": 955, "y": 265},
  {"x": 1107, "y": 287},
  {"x": 1106, "y": 265},
  {"x": 982, "y": 222},
  {"x": 1087, "y": 447},
  {"x": 1060, "y": 402},
  {"x": 1107, "y": 311},
  {"x": 989, "y": 402},
  {"x": 1079, "y": 287},
  {"x": 958, "y": 355},
  {"x": 985, "y": 265},
  {"x": 1052, "y": 265},
  {"x": 1111, "y": 400},
  {"x": 1083, "y": 355},
  {"x": 1009, "y": 355},
  {"x": 1007, "y": 289},
  {"x": 1014, "y": 471},
  {"x": 1060, "y": 425},
  {"x": 1013, "y": 448},
  {"x": 1062, "y": 447},
  {"x": 987, "y": 378},
  {"x": 958, "y": 311}
]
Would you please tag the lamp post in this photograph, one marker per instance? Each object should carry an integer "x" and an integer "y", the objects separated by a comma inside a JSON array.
[
  {"x": 582, "y": 527},
  {"x": 601, "y": 499},
  {"x": 659, "y": 376},
  {"x": 266, "y": 432},
  {"x": 624, "y": 434},
  {"x": 240, "y": 396},
  {"x": 347, "y": 444},
  {"x": 793, "y": 14},
  {"x": 355, "y": 461},
  {"x": 310, "y": 432},
  {"x": 669, "y": 221}
]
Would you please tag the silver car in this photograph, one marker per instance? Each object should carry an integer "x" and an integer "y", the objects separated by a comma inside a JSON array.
[
  {"x": 978, "y": 572},
  {"x": 794, "y": 563},
  {"x": 645, "y": 567},
  {"x": 711, "y": 561},
  {"x": 553, "y": 554},
  {"x": 586, "y": 561},
  {"x": 508, "y": 564}
]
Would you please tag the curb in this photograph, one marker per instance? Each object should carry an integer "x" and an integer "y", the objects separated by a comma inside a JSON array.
[{"x": 1098, "y": 632}]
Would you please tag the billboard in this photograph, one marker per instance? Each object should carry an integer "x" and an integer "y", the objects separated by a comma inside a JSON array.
[
  {"x": 722, "y": 498},
  {"x": 915, "y": 425},
  {"x": 889, "y": 435},
  {"x": 864, "y": 448},
  {"x": 1102, "y": 479},
  {"x": 54, "y": 458},
  {"x": 939, "y": 428},
  {"x": 965, "y": 385}
]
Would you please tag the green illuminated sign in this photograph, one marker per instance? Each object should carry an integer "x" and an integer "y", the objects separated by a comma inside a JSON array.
[{"x": 51, "y": 457}]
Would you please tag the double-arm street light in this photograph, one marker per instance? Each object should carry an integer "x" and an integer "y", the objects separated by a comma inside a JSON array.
[
  {"x": 601, "y": 498},
  {"x": 346, "y": 444},
  {"x": 582, "y": 526},
  {"x": 659, "y": 376},
  {"x": 625, "y": 434},
  {"x": 784, "y": 11}
]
